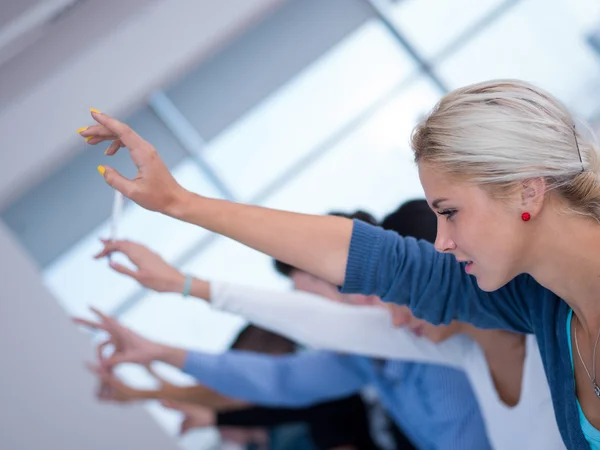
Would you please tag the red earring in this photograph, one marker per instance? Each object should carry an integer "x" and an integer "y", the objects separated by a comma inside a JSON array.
[{"x": 525, "y": 217}]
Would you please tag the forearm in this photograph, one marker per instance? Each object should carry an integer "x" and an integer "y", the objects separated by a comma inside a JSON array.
[
  {"x": 316, "y": 244},
  {"x": 173, "y": 356},
  {"x": 289, "y": 380},
  {"x": 200, "y": 289},
  {"x": 203, "y": 396}
]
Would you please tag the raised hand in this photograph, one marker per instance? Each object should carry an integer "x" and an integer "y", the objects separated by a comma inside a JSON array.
[
  {"x": 111, "y": 388},
  {"x": 128, "y": 346},
  {"x": 152, "y": 271},
  {"x": 153, "y": 187},
  {"x": 194, "y": 416}
]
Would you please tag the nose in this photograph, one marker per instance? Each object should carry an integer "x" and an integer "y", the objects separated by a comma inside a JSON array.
[{"x": 443, "y": 242}]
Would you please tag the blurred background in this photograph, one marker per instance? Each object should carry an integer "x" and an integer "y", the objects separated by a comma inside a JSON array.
[{"x": 304, "y": 105}]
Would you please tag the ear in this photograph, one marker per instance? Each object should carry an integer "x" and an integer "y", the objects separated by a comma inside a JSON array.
[{"x": 533, "y": 194}]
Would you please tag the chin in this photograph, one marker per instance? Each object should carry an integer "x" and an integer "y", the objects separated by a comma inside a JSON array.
[{"x": 488, "y": 284}]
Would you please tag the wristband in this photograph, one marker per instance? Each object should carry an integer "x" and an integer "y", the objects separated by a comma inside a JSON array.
[{"x": 187, "y": 285}]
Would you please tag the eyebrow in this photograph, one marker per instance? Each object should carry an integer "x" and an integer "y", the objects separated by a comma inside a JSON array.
[{"x": 436, "y": 203}]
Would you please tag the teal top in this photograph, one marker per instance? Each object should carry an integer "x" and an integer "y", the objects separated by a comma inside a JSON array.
[{"x": 592, "y": 435}]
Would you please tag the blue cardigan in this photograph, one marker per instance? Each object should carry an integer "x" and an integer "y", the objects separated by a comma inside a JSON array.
[{"x": 436, "y": 288}]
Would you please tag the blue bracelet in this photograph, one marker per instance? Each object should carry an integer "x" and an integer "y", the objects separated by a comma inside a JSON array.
[{"x": 187, "y": 286}]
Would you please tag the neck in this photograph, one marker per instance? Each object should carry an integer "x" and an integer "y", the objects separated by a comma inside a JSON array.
[{"x": 565, "y": 258}]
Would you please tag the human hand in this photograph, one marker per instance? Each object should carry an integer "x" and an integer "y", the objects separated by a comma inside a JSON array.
[
  {"x": 153, "y": 187},
  {"x": 153, "y": 272},
  {"x": 129, "y": 347}
]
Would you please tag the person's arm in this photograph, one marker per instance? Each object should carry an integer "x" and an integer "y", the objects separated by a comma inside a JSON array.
[
  {"x": 291, "y": 380},
  {"x": 113, "y": 389},
  {"x": 434, "y": 285},
  {"x": 316, "y": 244},
  {"x": 320, "y": 323},
  {"x": 303, "y": 317}
]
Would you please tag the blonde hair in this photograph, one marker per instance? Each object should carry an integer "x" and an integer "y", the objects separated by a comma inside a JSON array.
[{"x": 498, "y": 133}]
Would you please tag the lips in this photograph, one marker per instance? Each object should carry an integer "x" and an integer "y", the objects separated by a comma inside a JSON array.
[
  {"x": 468, "y": 264},
  {"x": 469, "y": 267}
]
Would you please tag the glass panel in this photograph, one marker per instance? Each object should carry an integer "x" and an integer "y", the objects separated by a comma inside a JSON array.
[
  {"x": 587, "y": 13},
  {"x": 433, "y": 25},
  {"x": 307, "y": 111},
  {"x": 547, "y": 49},
  {"x": 213, "y": 95}
]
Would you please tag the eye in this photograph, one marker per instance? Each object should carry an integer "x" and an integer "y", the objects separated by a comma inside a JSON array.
[{"x": 449, "y": 213}]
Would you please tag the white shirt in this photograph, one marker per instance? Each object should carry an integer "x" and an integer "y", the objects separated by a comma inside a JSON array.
[{"x": 367, "y": 330}]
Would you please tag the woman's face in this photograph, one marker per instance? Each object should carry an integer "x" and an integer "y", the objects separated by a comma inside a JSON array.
[
  {"x": 484, "y": 233},
  {"x": 402, "y": 317}
]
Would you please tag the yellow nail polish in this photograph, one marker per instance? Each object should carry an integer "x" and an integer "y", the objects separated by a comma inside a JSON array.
[
  {"x": 82, "y": 129},
  {"x": 94, "y": 110},
  {"x": 106, "y": 152},
  {"x": 101, "y": 169},
  {"x": 88, "y": 139}
]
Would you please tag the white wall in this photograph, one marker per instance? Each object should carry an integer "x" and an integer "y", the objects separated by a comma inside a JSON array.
[
  {"x": 109, "y": 55},
  {"x": 46, "y": 394}
]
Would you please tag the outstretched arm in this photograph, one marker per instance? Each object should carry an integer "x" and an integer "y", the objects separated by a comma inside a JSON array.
[
  {"x": 324, "y": 324},
  {"x": 291, "y": 380},
  {"x": 111, "y": 388}
]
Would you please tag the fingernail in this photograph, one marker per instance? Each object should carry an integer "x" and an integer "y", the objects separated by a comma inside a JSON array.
[
  {"x": 101, "y": 169},
  {"x": 94, "y": 110},
  {"x": 82, "y": 129},
  {"x": 106, "y": 151},
  {"x": 88, "y": 139}
]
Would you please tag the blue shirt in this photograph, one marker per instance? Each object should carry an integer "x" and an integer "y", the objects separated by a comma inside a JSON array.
[
  {"x": 434, "y": 405},
  {"x": 437, "y": 288}
]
